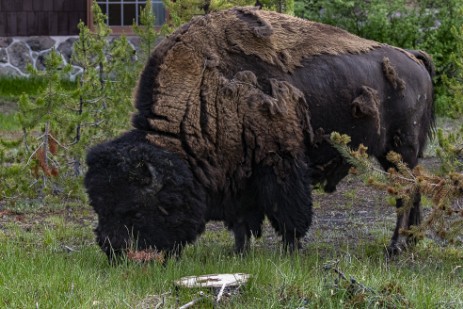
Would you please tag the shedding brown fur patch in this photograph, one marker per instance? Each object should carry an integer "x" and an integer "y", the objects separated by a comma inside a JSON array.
[
  {"x": 191, "y": 58},
  {"x": 367, "y": 105},
  {"x": 284, "y": 40},
  {"x": 392, "y": 76}
]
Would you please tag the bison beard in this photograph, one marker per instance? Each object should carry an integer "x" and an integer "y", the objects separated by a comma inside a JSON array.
[{"x": 233, "y": 114}]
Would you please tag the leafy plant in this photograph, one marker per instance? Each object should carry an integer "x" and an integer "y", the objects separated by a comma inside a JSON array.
[
  {"x": 450, "y": 150},
  {"x": 181, "y": 11}
]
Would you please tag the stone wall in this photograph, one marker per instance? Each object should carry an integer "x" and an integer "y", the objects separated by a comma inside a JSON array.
[{"x": 17, "y": 52}]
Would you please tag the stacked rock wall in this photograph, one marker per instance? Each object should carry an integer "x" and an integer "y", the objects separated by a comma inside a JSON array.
[{"x": 17, "y": 52}]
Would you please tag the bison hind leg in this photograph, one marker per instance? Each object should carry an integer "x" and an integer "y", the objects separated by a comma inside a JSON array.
[
  {"x": 406, "y": 218},
  {"x": 407, "y": 215}
]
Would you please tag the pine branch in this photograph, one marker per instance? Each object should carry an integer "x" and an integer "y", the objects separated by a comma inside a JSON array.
[{"x": 402, "y": 182}]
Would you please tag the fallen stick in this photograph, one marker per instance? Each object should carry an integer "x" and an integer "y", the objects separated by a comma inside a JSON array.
[
  {"x": 191, "y": 303},
  {"x": 219, "y": 296}
]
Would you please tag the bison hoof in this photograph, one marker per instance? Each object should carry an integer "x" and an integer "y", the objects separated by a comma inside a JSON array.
[
  {"x": 397, "y": 247},
  {"x": 292, "y": 246}
]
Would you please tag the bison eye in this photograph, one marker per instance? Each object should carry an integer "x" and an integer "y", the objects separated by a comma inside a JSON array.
[{"x": 132, "y": 214}]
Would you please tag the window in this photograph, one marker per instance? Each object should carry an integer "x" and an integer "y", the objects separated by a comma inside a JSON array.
[{"x": 123, "y": 13}]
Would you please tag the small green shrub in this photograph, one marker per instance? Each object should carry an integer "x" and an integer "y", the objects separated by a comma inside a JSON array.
[
  {"x": 181, "y": 11},
  {"x": 450, "y": 150}
]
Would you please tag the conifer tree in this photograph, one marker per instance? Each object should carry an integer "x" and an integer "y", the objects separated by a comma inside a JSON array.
[
  {"x": 45, "y": 125},
  {"x": 181, "y": 11},
  {"x": 59, "y": 124},
  {"x": 147, "y": 33}
]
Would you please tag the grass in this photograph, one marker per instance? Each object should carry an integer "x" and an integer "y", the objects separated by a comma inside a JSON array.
[
  {"x": 55, "y": 264},
  {"x": 15, "y": 86},
  {"x": 8, "y": 122},
  {"x": 11, "y": 88}
]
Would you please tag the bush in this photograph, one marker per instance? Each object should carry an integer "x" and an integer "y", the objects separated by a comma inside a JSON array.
[{"x": 435, "y": 26}]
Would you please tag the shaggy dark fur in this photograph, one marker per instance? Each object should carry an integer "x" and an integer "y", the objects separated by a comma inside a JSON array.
[
  {"x": 143, "y": 195},
  {"x": 233, "y": 111},
  {"x": 147, "y": 197}
]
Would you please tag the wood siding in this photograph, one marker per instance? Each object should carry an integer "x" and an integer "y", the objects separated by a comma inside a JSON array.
[{"x": 41, "y": 17}]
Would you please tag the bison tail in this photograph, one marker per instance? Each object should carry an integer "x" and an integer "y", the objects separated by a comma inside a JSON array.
[{"x": 426, "y": 59}]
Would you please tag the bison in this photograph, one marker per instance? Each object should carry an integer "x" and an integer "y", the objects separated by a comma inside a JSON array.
[{"x": 234, "y": 111}]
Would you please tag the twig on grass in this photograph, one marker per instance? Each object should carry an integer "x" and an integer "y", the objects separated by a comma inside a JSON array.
[
  {"x": 219, "y": 296},
  {"x": 333, "y": 265},
  {"x": 194, "y": 301}
]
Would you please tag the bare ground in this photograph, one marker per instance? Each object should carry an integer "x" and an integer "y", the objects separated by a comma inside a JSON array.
[{"x": 354, "y": 214}]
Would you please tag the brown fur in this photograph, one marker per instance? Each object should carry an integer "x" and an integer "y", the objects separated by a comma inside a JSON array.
[
  {"x": 218, "y": 106},
  {"x": 283, "y": 40},
  {"x": 233, "y": 105},
  {"x": 367, "y": 105},
  {"x": 391, "y": 74}
]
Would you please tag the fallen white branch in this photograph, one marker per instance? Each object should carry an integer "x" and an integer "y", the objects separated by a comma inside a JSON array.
[{"x": 193, "y": 302}]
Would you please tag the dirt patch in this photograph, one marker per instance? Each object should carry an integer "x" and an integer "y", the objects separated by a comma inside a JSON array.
[
  {"x": 7, "y": 107},
  {"x": 355, "y": 214}
]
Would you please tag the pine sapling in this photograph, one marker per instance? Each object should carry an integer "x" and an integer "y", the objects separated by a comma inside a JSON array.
[{"x": 445, "y": 218}]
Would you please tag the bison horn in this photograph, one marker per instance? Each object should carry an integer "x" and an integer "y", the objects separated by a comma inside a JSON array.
[{"x": 156, "y": 180}]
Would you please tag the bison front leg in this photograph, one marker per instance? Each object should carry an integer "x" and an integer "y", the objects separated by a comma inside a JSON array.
[
  {"x": 248, "y": 222},
  {"x": 242, "y": 237},
  {"x": 287, "y": 202},
  {"x": 406, "y": 218}
]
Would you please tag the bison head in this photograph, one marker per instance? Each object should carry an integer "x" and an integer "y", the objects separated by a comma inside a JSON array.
[{"x": 145, "y": 197}]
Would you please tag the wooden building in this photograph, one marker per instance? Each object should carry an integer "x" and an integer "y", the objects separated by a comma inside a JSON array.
[{"x": 60, "y": 17}]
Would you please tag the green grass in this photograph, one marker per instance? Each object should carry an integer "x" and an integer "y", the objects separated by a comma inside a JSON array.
[
  {"x": 15, "y": 86},
  {"x": 11, "y": 88},
  {"x": 8, "y": 122},
  {"x": 37, "y": 271}
]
